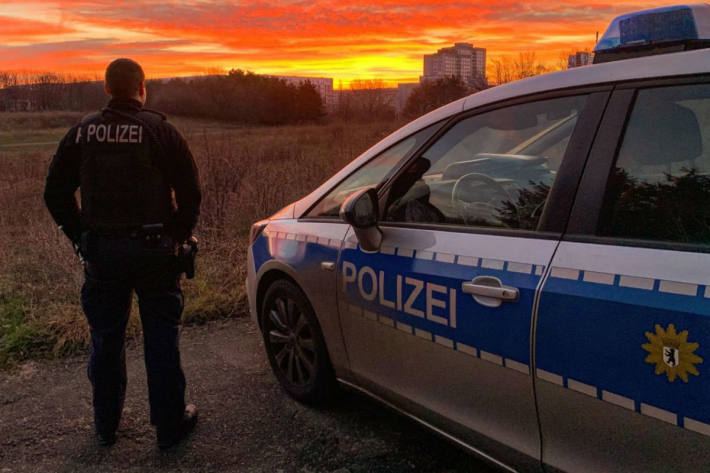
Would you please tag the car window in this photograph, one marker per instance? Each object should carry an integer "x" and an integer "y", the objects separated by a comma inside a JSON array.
[
  {"x": 494, "y": 169},
  {"x": 371, "y": 174},
  {"x": 659, "y": 188}
]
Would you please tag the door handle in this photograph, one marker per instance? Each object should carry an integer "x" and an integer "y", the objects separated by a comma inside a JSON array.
[
  {"x": 490, "y": 291},
  {"x": 327, "y": 266}
]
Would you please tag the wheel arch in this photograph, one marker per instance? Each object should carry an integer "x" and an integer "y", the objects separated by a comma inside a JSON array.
[
  {"x": 270, "y": 276},
  {"x": 275, "y": 270}
]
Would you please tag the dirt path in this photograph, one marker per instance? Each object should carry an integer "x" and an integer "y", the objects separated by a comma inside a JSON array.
[{"x": 246, "y": 422}]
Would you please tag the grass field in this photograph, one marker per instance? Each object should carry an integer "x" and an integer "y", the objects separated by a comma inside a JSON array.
[{"x": 246, "y": 174}]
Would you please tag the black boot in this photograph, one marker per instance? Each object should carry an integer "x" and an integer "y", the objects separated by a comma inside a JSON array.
[
  {"x": 169, "y": 436},
  {"x": 106, "y": 439},
  {"x": 105, "y": 431}
]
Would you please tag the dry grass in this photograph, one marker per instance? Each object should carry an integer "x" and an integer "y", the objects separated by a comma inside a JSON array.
[
  {"x": 246, "y": 174},
  {"x": 33, "y": 121}
]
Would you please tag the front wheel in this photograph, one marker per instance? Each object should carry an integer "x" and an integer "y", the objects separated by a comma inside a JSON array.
[{"x": 294, "y": 344}]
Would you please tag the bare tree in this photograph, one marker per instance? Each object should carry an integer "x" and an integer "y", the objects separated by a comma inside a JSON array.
[
  {"x": 503, "y": 70},
  {"x": 433, "y": 94},
  {"x": 372, "y": 99},
  {"x": 48, "y": 90},
  {"x": 525, "y": 65}
]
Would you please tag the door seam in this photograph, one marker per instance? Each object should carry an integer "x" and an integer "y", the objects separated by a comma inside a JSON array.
[{"x": 545, "y": 276}]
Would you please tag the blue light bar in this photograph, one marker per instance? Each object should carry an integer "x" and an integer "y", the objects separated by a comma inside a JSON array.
[{"x": 656, "y": 27}]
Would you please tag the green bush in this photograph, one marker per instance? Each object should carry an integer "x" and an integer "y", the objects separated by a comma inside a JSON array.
[{"x": 20, "y": 339}]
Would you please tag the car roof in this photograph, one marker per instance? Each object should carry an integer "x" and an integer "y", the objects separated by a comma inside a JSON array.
[{"x": 663, "y": 65}]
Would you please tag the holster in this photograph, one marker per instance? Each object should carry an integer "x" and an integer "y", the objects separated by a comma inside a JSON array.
[
  {"x": 187, "y": 252},
  {"x": 85, "y": 247}
]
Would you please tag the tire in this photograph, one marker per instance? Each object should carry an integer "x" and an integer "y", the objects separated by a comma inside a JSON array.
[{"x": 294, "y": 344}]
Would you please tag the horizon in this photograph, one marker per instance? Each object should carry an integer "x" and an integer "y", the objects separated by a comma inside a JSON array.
[{"x": 323, "y": 38}]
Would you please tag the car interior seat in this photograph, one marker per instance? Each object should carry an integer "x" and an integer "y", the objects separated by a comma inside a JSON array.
[{"x": 658, "y": 135}]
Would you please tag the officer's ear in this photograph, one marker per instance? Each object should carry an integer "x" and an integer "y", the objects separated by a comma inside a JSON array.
[
  {"x": 142, "y": 92},
  {"x": 108, "y": 92}
]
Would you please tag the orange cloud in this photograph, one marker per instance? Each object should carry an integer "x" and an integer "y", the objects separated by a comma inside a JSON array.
[
  {"x": 12, "y": 28},
  {"x": 328, "y": 38}
]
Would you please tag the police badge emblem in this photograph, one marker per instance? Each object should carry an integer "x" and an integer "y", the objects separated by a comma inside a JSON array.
[
  {"x": 672, "y": 353},
  {"x": 670, "y": 356}
]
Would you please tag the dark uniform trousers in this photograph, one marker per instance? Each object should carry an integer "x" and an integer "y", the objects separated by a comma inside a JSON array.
[{"x": 115, "y": 268}]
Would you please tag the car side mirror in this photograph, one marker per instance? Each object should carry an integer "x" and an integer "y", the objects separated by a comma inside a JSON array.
[{"x": 361, "y": 211}]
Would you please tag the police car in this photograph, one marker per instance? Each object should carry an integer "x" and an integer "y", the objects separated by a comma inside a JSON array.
[{"x": 525, "y": 271}]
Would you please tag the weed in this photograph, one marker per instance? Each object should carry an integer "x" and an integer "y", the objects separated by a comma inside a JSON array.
[
  {"x": 32, "y": 121},
  {"x": 246, "y": 175},
  {"x": 19, "y": 340}
]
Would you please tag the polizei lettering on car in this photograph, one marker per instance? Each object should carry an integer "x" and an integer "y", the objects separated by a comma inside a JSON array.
[{"x": 439, "y": 301}]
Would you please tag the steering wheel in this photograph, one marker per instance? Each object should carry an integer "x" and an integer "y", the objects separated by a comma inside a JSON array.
[{"x": 486, "y": 210}]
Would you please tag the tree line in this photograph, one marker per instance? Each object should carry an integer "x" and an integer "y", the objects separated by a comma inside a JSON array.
[
  {"x": 49, "y": 91},
  {"x": 247, "y": 98},
  {"x": 366, "y": 100},
  {"x": 430, "y": 95},
  {"x": 239, "y": 96}
]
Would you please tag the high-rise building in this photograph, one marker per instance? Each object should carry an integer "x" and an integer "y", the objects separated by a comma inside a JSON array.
[
  {"x": 580, "y": 58},
  {"x": 462, "y": 61}
]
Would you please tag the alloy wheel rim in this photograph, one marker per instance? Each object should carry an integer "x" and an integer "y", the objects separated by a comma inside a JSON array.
[{"x": 291, "y": 341}]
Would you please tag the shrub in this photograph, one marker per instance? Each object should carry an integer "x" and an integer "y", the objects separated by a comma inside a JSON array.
[{"x": 246, "y": 175}]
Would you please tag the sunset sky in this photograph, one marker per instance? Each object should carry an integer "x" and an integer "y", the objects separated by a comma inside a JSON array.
[{"x": 321, "y": 38}]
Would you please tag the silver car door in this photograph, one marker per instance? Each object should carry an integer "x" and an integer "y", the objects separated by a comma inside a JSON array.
[
  {"x": 309, "y": 246},
  {"x": 623, "y": 329},
  {"x": 439, "y": 319}
]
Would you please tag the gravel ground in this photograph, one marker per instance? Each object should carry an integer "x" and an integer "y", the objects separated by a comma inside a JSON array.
[{"x": 247, "y": 423}]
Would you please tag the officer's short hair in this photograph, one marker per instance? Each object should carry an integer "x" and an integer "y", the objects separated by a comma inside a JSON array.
[{"x": 123, "y": 76}]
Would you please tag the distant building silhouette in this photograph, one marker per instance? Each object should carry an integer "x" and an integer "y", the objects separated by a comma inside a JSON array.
[
  {"x": 462, "y": 61},
  {"x": 324, "y": 86},
  {"x": 403, "y": 93},
  {"x": 580, "y": 58}
]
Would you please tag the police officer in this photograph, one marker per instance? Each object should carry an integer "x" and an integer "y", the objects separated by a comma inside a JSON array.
[{"x": 140, "y": 198}]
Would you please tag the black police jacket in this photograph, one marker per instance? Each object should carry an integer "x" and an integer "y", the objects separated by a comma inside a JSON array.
[{"x": 123, "y": 131}]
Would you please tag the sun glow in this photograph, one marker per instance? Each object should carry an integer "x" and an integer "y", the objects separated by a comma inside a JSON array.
[{"x": 323, "y": 38}]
